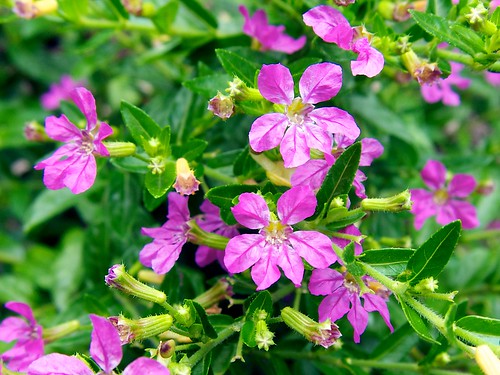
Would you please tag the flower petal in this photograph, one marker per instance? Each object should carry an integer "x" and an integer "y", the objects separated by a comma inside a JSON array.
[
  {"x": 275, "y": 83},
  {"x": 243, "y": 251},
  {"x": 458, "y": 210},
  {"x": 251, "y": 211},
  {"x": 85, "y": 101},
  {"x": 423, "y": 206},
  {"x": 267, "y": 131},
  {"x": 58, "y": 364},
  {"x": 330, "y": 25},
  {"x": 284, "y": 43},
  {"x": 296, "y": 204},
  {"x": 265, "y": 272},
  {"x": 434, "y": 174},
  {"x": 317, "y": 137},
  {"x": 358, "y": 317},
  {"x": 320, "y": 82},
  {"x": 462, "y": 185},
  {"x": 61, "y": 129},
  {"x": 22, "y": 309},
  {"x": 311, "y": 174},
  {"x": 371, "y": 149},
  {"x": 325, "y": 281},
  {"x": 291, "y": 264},
  {"x": 377, "y": 303},
  {"x": 334, "y": 306},
  {"x": 145, "y": 366},
  {"x": 370, "y": 62},
  {"x": 293, "y": 148},
  {"x": 105, "y": 345},
  {"x": 335, "y": 120},
  {"x": 314, "y": 247},
  {"x": 81, "y": 173}
]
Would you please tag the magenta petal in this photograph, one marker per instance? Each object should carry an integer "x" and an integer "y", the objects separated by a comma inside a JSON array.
[
  {"x": 320, "y": 82},
  {"x": 317, "y": 137},
  {"x": 285, "y": 43},
  {"x": 314, "y": 247},
  {"x": 61, "y": 129},
  {"x": 293, "y": 148},
  {"x": 335, "y": 305},
  {"x": 145, "y": 366},
  {"x": 458, "y": 210},
  {"x": 81, "y": 174},
  {"x": 251, "y": 211},
  {"x": 105, "y": 345},
  {"x": 370, "y": 62},
  {"x": 377, "y": 303},
  {"x": 431, "y": 93},
  {"x": 335, "y": 120},
  {"x": 423, "y": 206},
  {"x": 296, "y": 204},
  {"x": 359, "y": 188},
  {"x": 275, "y": 83},
  {"x": 243, "y": 251},
  {"x": 434, "y": 174},
  {"x": 265, "y": 272},
  {"x": 311, "y": 174},
  {"x": 325, "y": 281},
  {"x": 370, "y": 149},
  {"x": 267, "y": 131},
  {"x": 22, "y": 309},
  {"x": 58, "y": 364},
  {"x": 461, "y": 185},
  {"x": 13, "y": 328},
  {"x": 104, "y": 131},
  {"x": 85, "y": 101},
  {"x": 291, "y": 264},
  {"x": 330, "y": 25},
  {"x": 358, "y": 317}
]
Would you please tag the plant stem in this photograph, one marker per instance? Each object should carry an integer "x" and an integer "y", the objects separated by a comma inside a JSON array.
[{"x": 212, "y": 173}]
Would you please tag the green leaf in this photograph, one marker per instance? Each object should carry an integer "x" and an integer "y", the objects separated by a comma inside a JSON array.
[
  {"x": 392, "y": 342},
  {"x": 141, "y": 126},
  {"x": 165, "y": 16},
  {"x": 298, "y": 67},
  {"x": 453, "y": 33},
  {"x": 341, "y": 217},
  {"x": 118, "y": 7},
  {"x": 487, "y": 329},
  {"x": 223, "y": 196},
  {"x": 202, "y": 316},
  {"x": 158, "y": 184},
  {"x": 73, "y": 9},
  {"x": 245, "y": 165},
  {"x": 237, "y": 65},
  {"x": 248, "y": 333},
  {"x": 48, "y": 204},
  {"x": 190, "y": 150},
  {"x": 418, "y": 324},
  {"x": 390, "y": 262},
  {"x": 257, "y": 302},
  {"x": 431, "y": 257},
  {"x": 202, "y": 367},
  {"x": 339, "y": 179},
  {"x": 201, "y": 12},
  {"x": 208, "y": 85}
]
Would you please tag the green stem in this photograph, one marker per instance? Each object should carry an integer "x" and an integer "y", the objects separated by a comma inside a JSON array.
[
  {"x": 120, "y": 25},
  {"x": 142, "y": 158},
  {"x": 480, "y": 235},
  {"x": 282, "y": 292},
  {"x": 212, "y": 173},
  {"x": 208, "y": 346}
]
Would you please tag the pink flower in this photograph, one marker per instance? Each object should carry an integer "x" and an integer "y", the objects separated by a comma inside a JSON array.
[
  {"x": 492, "y": 78},
  {"x": 73, "y": 165},
  {"x": 342, "y": 296},
  {"x": 169, "y": 239},
  {"x": 212, "y": 222},
  {"x": 27, "y": 332},
  {"x": 441, "y": 89},
  {"x": 277, "y": 244},
  {"x": 105, "y": 350},
  {"x": 330, "y": 25},
  {"x": 440, "y": 200},
  {"x": 313, "y": 172},
  {"x": 267, "y": 36},
  {"x": 301, "y": 126},
  {"x": 58, "y": 92}
]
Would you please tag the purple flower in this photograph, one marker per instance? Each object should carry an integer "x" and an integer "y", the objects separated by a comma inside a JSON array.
[
  {"x": 27, "y": 332},
  {"x": 58, "y": 92},
  {"x": 277, "y": 244},
  {"x": 269, "y": 37},
  {"x": 343, "y": 296},
  {"x": 168, "y": 239},
  {"x": 441, "y": 89},
  {"x": 301, "y": 126},
  {"x": 492, "y": 78},
  {"x": 440, "y": 200},
  {"x": 105, "y": 350},
  {"x": 212, "y": 222},
  {"x": 330, "y": 25},
  {"x": 313, "y": 172},
  {"x": 73, "y": 165}
]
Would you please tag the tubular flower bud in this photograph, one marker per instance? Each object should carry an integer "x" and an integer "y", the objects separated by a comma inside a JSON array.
[
  {"x": 221, "y": 106},
  {"x": 120, "y": 149},
  {"x": 118, "y": 278},
  {"x": 186, "y": 183},
  {"x": 29, "y": 9},
  {"x": 396, "y": 203},
  {"x": 136, "y": 330},
  {"x": 35, "y": 132}
]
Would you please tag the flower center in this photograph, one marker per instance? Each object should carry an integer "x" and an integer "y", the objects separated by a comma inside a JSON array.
[
  {"x": 298, "y": 111},
  {"x": 276, "y": 233},
  {"x": 87, "y": 142},
  {"x": 350, "y": 283},
  {"x": 440, "y": 197}
]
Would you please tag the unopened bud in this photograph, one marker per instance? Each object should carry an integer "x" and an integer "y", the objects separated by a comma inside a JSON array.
[
  {"x": 487, "y": 360},
  {"x": 33, "y": 131},
  {"x": 133, "y": 6},
  {"x": 396, "y": 203},
  {"x": 185, "y": 183},
  {"x": 120, "y": 149},
  {"x": 426, "y": 285},
  {"x": 221, "y": 106},
  {"x": 400, "y": 12},
  {"x": 60, "y": 331},
  {"x": 166, "y": 348},
  {"x": 29, "y": 9},
  {"x": 324, "y": 334},
  {"x": 220, "y": 291},
  {"x": 263, "y": 336},
  {"x": 118, "y": 278}
]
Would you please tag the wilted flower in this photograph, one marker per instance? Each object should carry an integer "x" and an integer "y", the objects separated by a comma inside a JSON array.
[
  {"x": 73, "y": 165},
  {"x": 221, "y": 106},
  {"x": 441, "y": 90},
  {"x": 442, "y": 200},
  {"x": 269, "y": 37},
  {"x": 186, "y": 182}
]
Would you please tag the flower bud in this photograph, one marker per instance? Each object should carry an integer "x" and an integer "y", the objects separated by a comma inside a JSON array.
[
  {"x": 140, "y": 329},
  {"x": 60, "y": 331},
  {"x": 33, "y": 131},
  {"x": 263, "y": 336},
  {"x": 487, "y": 360},
  {"x": 344, "y": 3},
  {"x": 120, "y": 149},
  {"x": 476, "y": 14},
  {"x": 324, "y": 334},
  {"x": 166, "y": 348},
  {"x": 185, "y": 183},
  {"x": 199, "y": 236},
  {"x": 221, "y": 106},
  {"x": 133, "y": 6},
  {"x": 240, "y": 91},
  {"x": 423, "y": 71},
  {"x": 396, "y": 203},
  {"x": 220, "y": 291},
  {"x": 426, "y": 285},
  {"x": 29, "y": 9},
  {"x": 118, "y": 278}
]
